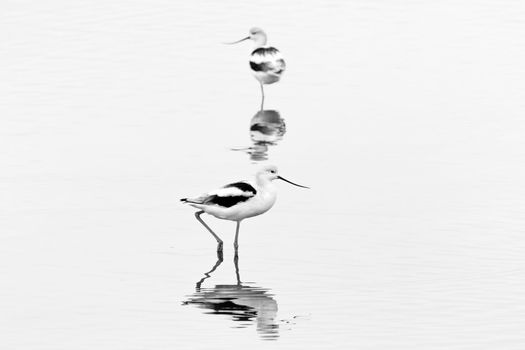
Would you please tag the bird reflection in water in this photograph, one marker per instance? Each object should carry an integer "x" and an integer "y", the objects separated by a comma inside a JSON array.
[
  {"x": 266, "y": 129},
  {"x": 245, "y": 304}
]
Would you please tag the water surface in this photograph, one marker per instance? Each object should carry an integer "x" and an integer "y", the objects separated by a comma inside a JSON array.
[{"x": 404, "y": 118}]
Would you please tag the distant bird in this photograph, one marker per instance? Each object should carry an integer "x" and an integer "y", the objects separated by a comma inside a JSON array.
[
  {"x": 266, "y": 62},
  {"x": 238, "y": 201}
]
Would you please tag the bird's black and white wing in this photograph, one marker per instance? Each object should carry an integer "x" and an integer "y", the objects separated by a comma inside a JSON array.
[
  {"x": 227, "y": 196},
  {"x": 267, "y": 60}
]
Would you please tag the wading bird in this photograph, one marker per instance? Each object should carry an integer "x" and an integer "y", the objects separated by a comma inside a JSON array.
[
  {"x": 238, "y": 201},
  {"x": 266, "y": 62}
]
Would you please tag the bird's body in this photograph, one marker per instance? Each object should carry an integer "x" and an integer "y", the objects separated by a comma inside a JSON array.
[
  {"x": 239, "y": 200},
  {"x": 266, "y": 62},
  {"x": 267, "y": 65},
  {"x": 236, "y": 201}
]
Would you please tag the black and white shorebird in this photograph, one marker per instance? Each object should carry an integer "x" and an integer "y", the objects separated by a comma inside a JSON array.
[
  {"x": 239, "y": 200},
  {"x": 266, "y": 62}
]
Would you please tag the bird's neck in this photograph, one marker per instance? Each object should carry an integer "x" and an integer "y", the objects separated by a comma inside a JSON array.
[
  {"x": 265, "y": 185},
  {"x": 260, "y": 41}
]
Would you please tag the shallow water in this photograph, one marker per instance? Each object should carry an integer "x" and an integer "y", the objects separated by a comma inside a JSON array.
[{"x": 404, "y": 118}]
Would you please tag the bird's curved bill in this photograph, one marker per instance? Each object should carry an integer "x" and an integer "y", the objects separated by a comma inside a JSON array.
[
  {"x": 238, "y": 41},
  {"x": 290, "y": 182}
]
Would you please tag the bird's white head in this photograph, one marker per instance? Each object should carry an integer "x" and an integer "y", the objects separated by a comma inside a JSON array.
[
  {"x": 269, "y": 173},
  {"x": 257, "y": 35}
]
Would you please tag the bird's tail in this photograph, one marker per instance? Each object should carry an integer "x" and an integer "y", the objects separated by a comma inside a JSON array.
[{"x": 189, "y": 200}]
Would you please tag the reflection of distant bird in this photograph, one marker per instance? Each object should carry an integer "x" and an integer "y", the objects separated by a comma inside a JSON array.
[
  {"x": 245, "y": 304},
  {"x": 266, "y": 62},
  {"x": 238, "y": 201},
  {"x": 266, "y": 129}
]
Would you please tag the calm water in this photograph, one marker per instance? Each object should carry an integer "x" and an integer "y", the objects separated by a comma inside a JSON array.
[{"x": 405, "y": 119}]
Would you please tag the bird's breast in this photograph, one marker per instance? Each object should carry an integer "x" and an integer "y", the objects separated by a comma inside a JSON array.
[
  {"x": 267, "y": 60},
  {"x": 267, "y": 200}
]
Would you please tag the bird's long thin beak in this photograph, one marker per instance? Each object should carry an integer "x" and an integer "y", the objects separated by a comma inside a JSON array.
[
  {"x": 290, "y": 182},
  {"x": 238, "y": 41}
]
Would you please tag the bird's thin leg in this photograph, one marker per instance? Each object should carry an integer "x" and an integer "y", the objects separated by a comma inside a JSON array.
[
  {"x": 236, "y": 262},
  {"x": 236, "y": 242},
  {"x": 262, "y": 100},
  {"x": 219, "y": 241}
]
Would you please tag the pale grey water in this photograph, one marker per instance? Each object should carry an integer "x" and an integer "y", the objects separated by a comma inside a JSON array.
[{"x": 405, "y": 118}]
